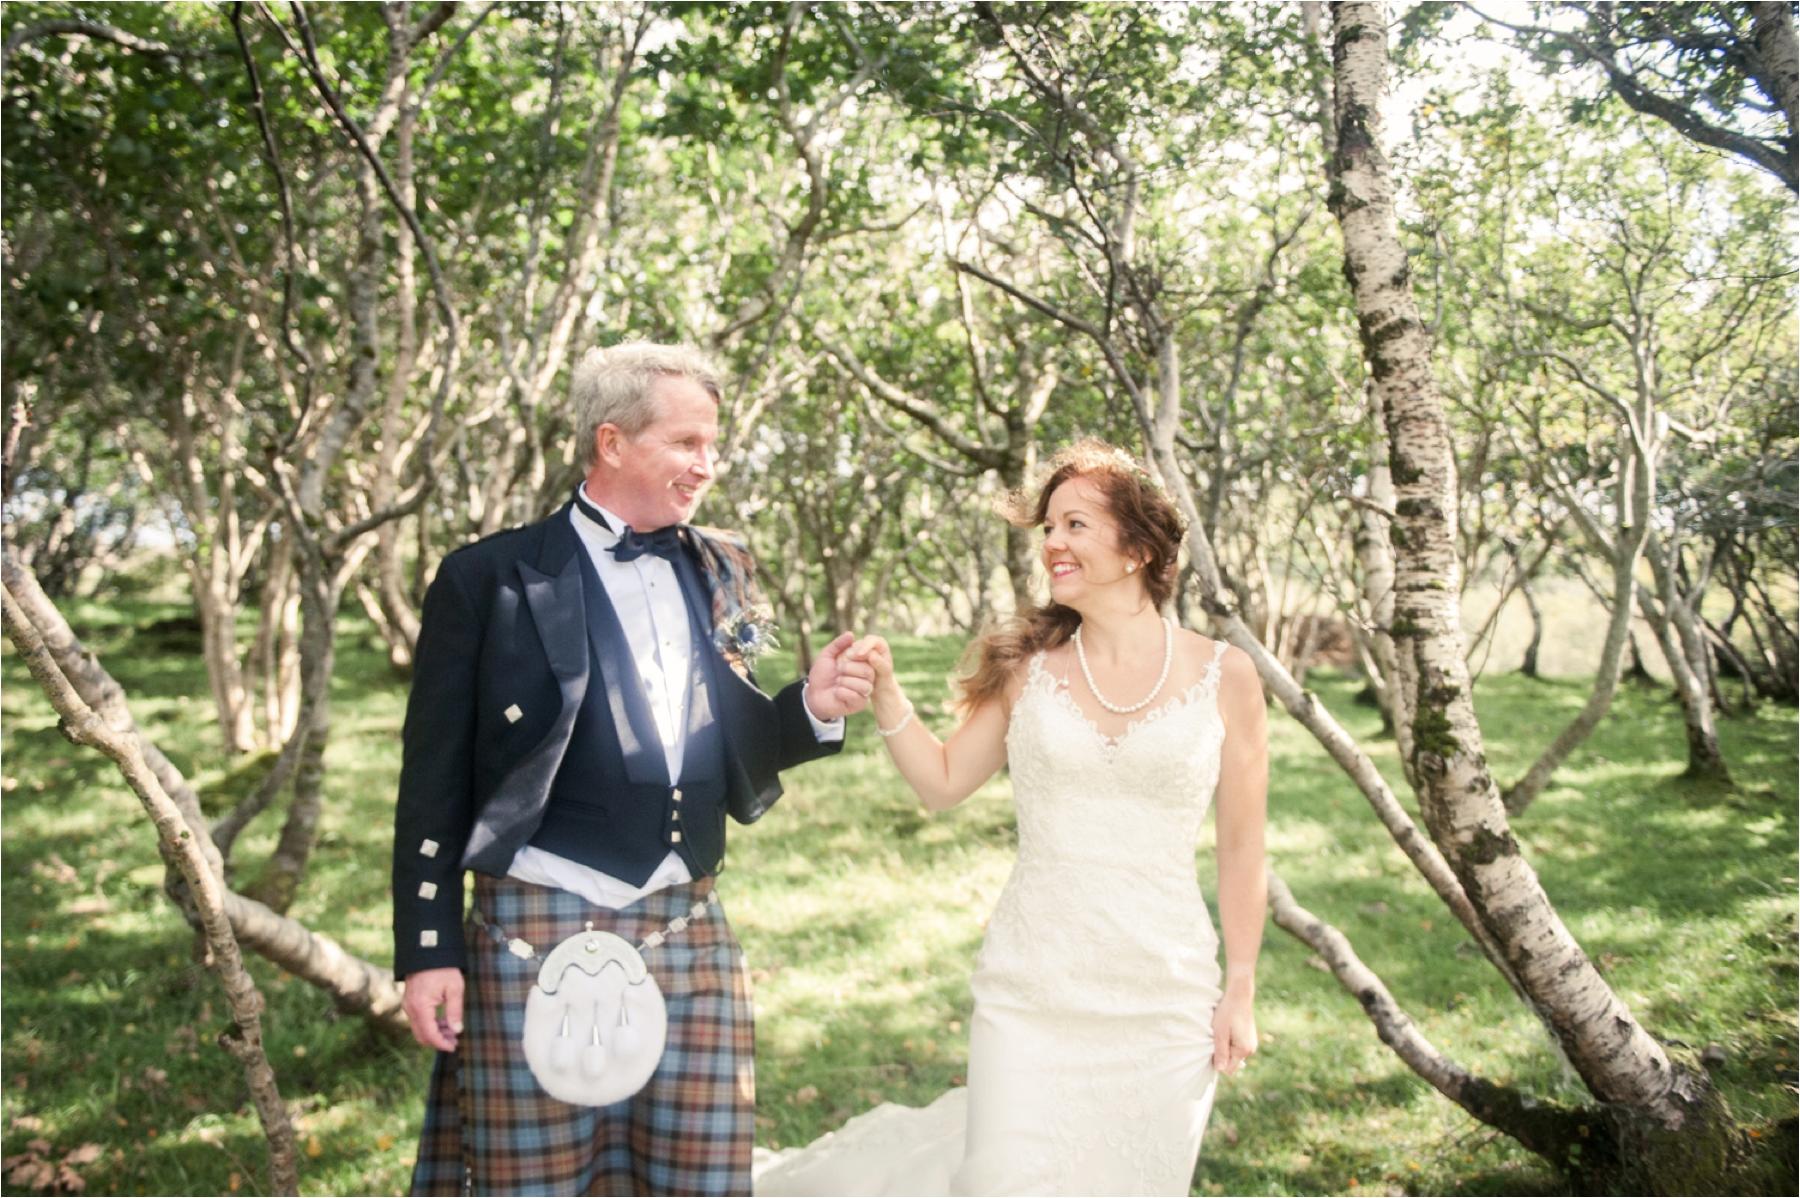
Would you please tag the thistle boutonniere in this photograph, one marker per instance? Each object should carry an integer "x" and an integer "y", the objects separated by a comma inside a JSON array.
[{"x": 746, "y": 636}]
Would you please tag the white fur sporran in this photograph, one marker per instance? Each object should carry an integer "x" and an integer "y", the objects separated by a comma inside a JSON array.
[{"x": 595, "y": 1022}]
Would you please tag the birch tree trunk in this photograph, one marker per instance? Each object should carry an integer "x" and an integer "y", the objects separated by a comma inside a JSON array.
[
  {"x": 1375, "y": 554},
  {"x": 1690, "y": 660},
  {"x": 399, "y": 622},
  {"x": 1633, "y": 497},
  {"x": 1658, "y": 1106},
  {"x": 1529, "y": 667},
  {"x": 330, "y": 553}
]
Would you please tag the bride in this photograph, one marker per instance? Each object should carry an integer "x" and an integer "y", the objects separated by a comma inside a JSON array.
[{"x": 1102, "y": 1020}]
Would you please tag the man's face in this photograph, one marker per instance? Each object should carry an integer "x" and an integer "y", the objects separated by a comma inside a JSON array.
[{"x": 660, "y": 474}]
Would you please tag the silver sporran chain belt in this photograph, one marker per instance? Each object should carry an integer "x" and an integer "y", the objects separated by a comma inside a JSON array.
[{"x": 594, "y": 1034}]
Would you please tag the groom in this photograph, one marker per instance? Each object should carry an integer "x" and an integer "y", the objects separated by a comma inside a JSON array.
[{"x": 582, "y": 718}]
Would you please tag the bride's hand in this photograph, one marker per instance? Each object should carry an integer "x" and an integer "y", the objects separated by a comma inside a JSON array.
[
  {"x": 1234, "y": 1032},
  {"x": 875, "y": 651},
  {"x": 886, "y": 700}
]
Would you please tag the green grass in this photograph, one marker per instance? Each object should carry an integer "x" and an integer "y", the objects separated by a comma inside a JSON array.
[{"x": 861, "y": 915}]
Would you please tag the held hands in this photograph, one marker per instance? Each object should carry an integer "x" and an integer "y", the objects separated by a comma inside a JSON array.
[
  {"x": 875, "y": 651},
  {"x": 1234, "y": 1031},
  {"x": 839, "y": 682},
  {"x": 426, "y": 991},
  {"x": 890, "y": 702}
]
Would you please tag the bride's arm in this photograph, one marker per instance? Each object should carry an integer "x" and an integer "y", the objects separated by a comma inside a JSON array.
[
  {"x": 942, "y": 774},
  {"x": 1240, "y": 805}
]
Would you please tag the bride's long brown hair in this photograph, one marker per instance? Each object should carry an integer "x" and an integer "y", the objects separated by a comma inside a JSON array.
[{"x": 1149, "y": 528}]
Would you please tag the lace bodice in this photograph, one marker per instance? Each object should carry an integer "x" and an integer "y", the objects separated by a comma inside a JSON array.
[{"x": 1128, "y": 801}]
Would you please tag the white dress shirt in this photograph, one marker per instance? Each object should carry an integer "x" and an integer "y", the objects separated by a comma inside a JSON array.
[{"x": 646, "y": 594}]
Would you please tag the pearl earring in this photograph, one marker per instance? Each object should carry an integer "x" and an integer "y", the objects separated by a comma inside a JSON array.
[{"x": 1130, "y": 566}]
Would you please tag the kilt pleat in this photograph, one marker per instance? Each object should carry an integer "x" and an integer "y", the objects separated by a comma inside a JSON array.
[{"x": 491, "y": 1129}]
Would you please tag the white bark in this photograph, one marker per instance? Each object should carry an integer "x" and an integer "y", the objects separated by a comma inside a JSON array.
[{"x": 1461, "y": 804}]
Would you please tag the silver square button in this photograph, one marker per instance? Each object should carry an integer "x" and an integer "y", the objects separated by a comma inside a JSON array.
[
  {"x": 427, "y": 890},
  {"x": 428, "y": 848},
  {"x": 514, "y": 714},
  {"x": 428, "y": 938}
]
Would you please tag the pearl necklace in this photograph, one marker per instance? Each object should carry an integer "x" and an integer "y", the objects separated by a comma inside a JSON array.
[{"x": 1119, "y": 709}]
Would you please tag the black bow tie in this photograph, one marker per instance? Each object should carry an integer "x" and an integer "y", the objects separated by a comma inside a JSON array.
[{"x": 664, "y": 543}]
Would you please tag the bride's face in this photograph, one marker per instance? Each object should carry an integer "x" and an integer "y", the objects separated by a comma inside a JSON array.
[{"x": 1081, "y": 545}]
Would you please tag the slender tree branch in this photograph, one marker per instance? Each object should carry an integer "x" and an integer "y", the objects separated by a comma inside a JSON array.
[{"x": 98, "y": 32}]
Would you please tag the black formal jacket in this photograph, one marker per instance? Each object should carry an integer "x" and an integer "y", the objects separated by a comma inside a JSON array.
[{"x": 501, "y": 668}]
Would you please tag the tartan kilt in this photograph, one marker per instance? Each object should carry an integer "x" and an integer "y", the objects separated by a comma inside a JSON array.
[{"x": 491, "y": 1129}]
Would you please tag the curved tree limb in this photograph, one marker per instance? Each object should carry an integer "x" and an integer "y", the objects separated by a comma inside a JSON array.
[
  {"x": 1769, "y": 61},
  {"x": 1544, "y": 1129},
  {"x": 355, "y": 985},
  {"x": 289, "y": 256},
  {"x": 179, "y": 846}
]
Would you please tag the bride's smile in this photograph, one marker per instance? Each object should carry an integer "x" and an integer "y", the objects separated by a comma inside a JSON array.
[{"x": 1081, "y": 544}]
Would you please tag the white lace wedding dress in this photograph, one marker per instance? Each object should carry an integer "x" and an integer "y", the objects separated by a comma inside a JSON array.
[{"x": 1090, "y": 1049}]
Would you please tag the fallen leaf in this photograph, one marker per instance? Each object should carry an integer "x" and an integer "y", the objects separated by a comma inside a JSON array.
[
  {"x": 84, "y": 1155},
  {"x": 314, "y": 1148},
  {"x": 55, "y": 869},
  {"x": 806, "y": 1094},
  {"x": 34, "y": 1173}
]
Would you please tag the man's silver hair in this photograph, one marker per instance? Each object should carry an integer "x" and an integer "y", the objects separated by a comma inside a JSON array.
[{"x": 612, "y": 386}]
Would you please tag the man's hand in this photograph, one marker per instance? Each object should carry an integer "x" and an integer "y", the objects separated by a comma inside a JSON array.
[
  {"x": 838, "y": 684},
  {"x": 426, "y": 991}
]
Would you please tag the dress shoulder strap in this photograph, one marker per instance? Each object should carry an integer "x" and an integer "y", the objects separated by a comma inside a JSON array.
[{"x": 1209, "y": 677}]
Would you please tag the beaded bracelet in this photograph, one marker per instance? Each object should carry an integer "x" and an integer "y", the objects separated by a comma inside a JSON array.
[{"x": 897, "y": 728}]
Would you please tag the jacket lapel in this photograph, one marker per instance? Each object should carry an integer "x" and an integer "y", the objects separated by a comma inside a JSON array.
[{"x": 553, "y": 594}]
